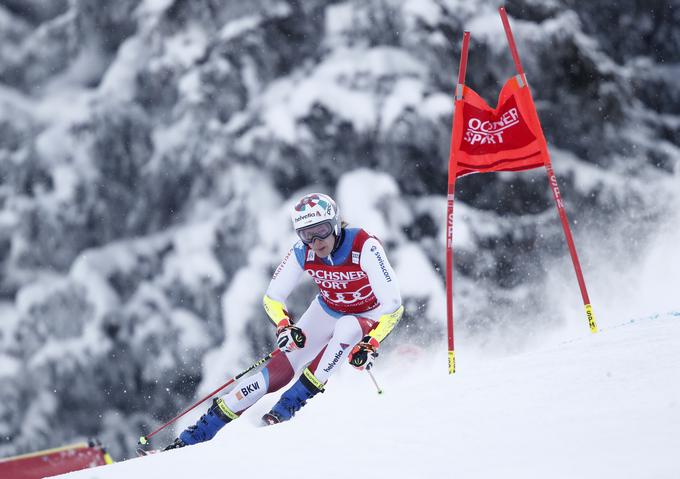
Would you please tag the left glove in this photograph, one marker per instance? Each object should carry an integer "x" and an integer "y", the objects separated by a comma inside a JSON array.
[{"x": 364, "y": 353}]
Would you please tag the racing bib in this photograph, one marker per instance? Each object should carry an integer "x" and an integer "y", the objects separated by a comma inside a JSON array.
[{"x": 344, "y": 287}]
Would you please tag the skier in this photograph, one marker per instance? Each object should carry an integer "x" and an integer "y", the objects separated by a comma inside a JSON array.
[{"x": 357, "y": 306}]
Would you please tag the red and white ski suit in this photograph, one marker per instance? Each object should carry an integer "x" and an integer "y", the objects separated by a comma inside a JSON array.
[{"x": 358, "y": 295}]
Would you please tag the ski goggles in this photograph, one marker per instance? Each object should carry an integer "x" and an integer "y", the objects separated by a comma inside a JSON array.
[{"x": 318, "y": 231}]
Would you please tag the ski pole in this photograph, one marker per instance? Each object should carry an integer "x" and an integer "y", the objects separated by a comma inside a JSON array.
[
  {"x": 145, "y": 439},
  {"x": 380, "y": 391}
]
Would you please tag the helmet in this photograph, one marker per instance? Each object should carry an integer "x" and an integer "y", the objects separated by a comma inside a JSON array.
[{"x": 315, "y": 209}]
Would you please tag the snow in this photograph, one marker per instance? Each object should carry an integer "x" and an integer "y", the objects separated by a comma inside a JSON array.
[
  {"x": 68, "y": 352},
  {"x": 339, "y": 19},
  {"x": 186, "y": 47},
  {"x": 192, "y": 261},
  {"x": 427, "y": 11},
  {"x": 564, "y": 404},
  {"x": 588, "y": 406},
  {"x": 118, "y": 81},
  {"x": 65, "y": 182},
  {"x": 417, "y": 278},
  {"x": 189, "y": 86},
  {"x": 243, "y": 296},
  {"x": 407, "y": 93},
  {"x": 168, "y": 138},
  {"x": 485, "y": 24},
  {"x": 345, "y": 83},
  {"x": 587, "y": 176},
  {"x": 191, "y": 334},
  {"x": 8, "y": 220},
  {"x": 85, "y": 69},
  {"x": 9, "y": 366},
  {"x": 36, "y": 293},
  {"x": 154, "y": 7},
  {"x": 648, "y": 281},
  {"x": 366, "y": 209},
  {"x": 280, "y": 121},
  {"x": 436, "y": 105},
  {"x": 238, "y": 27},
  {"x": 415, "y": 272}
]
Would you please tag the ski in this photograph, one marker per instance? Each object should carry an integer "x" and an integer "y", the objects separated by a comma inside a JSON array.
[
  {"x": 146, "y": 452},
  {"x": 269, "y": 420}
]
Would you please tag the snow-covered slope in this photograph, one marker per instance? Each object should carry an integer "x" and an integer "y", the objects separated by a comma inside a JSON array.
[
  {"x": 589, "y": 406},
  {"x": 150, "y": 151}
]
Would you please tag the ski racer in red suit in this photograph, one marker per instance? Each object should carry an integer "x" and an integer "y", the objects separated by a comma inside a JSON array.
[{"x": 357, "y": 306}]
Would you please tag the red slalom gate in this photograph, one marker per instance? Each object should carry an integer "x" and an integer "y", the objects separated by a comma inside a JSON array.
[
  {"x": 54, "y": 461},
  {"x": 508, "y": 137}
]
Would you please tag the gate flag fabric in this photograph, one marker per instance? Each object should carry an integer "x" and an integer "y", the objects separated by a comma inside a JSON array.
[{"x": 507, "y": 138}]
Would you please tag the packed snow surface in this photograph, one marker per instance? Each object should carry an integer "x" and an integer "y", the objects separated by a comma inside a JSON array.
[{"x": 603, "y": 405}]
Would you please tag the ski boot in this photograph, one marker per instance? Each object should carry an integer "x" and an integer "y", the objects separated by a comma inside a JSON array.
[
  {"x": 206, "y": 427},
  {"x": 305, "y": 388}
]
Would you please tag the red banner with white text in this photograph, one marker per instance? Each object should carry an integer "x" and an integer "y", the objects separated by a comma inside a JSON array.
[
  {"x": 507, "y": 138},
  {"x": 53, "y": 462}
]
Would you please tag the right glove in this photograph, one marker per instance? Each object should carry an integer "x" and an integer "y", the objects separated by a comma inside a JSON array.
[{"x": 289, "y": 337}]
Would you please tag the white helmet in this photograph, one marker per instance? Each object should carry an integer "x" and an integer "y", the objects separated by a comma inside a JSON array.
[{"x": 312, "y": 210}]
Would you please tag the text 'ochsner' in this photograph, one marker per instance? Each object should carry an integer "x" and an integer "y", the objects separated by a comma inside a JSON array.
[{"x": 490, "y": 132}]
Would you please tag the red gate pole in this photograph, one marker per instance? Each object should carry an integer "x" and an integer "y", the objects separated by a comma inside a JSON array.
[
  {"x": 553, "y": 181},
  {"x": 453, "y": 165}
]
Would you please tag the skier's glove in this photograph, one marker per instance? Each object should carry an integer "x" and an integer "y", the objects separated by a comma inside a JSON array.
[
  {"x": 364, "y": 353},
  {"x": 289, "y": 337}
]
